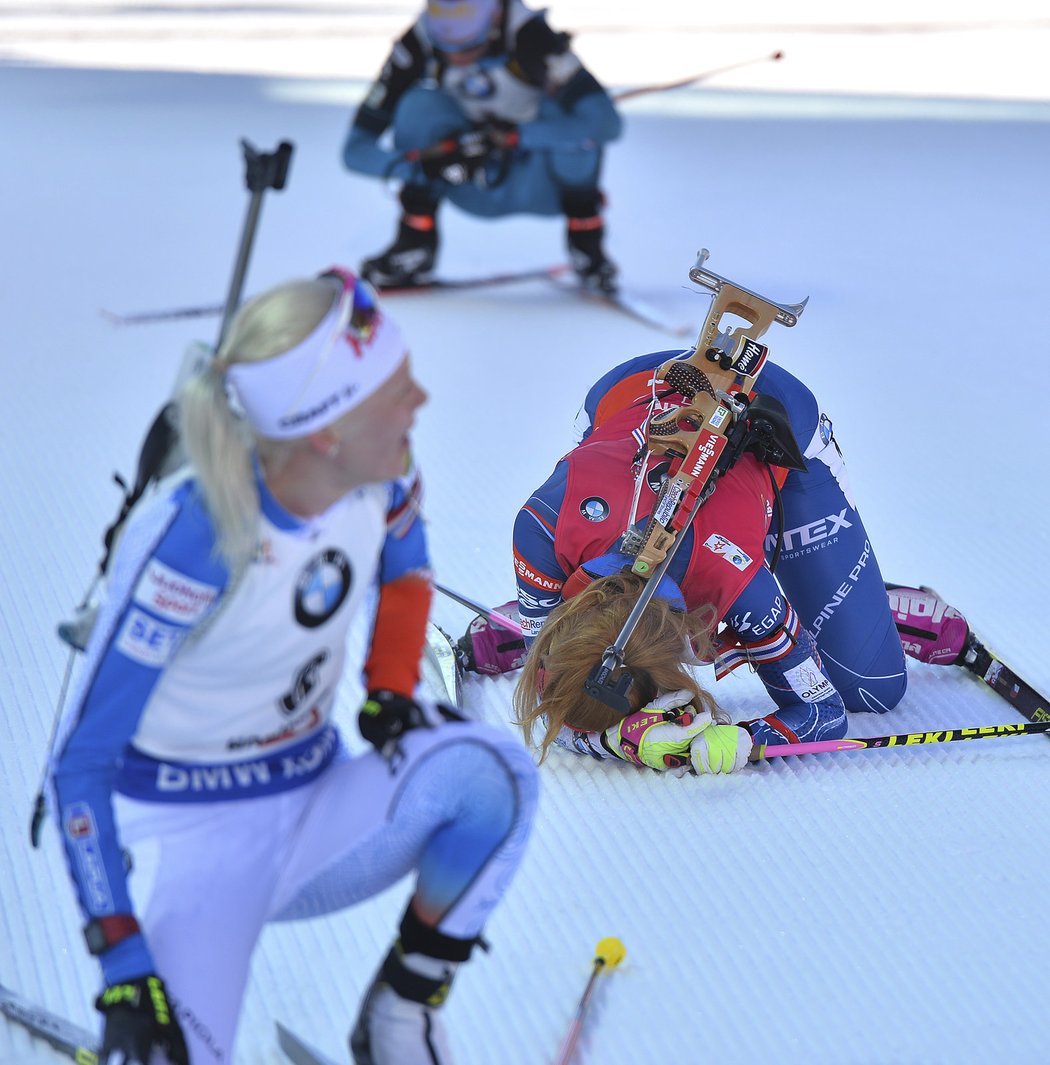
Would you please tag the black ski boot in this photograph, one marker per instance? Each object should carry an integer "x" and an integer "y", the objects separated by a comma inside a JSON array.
[
  {"x": 586, "y": 232},
  {"x": 409, "y": 261}
]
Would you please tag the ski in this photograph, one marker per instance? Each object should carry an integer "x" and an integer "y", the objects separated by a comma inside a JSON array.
[
  {"x": 511, "y": 277},
  {"x": 439, "y": 284},
  {"x": 72, "y": 1040},
  {"x": 298, "y": 1052},
  {"x": 979, "y": 661},
  {"x": 439, "y": 670},
  {"x": 208, "y": 310},
  {"x": 559, "y": 275},
  {"x": 628, "y": 304}
]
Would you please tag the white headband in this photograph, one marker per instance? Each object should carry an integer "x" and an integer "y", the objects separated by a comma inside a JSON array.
[{"x": 321, "y": 378}]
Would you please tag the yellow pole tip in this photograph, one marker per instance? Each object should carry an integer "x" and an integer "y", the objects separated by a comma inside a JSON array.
[{"x": 611, "y": 951}]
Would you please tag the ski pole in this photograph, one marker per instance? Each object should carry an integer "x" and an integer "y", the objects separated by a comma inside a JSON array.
[
  {"x": 901, "y": 739},
  {"x": 67, "y": 1038},
  {"x": 493, "y": 616},
  {"x": 607, "y": 955},
  {"x": 39, "y": 811},
  {"x": 262, "y": 171},
  {"x": 644, "y": 90}
]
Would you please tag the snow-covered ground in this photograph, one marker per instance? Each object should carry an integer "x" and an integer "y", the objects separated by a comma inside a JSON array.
[{"x": 867, "y": 907}]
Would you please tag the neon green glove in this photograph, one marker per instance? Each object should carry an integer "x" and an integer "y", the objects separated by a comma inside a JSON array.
[
  {"x": 659, "y": 735},
  {"x": 720, "y": 749}
]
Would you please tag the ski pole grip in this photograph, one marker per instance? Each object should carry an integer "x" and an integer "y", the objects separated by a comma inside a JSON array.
[{"x": 266, "y": 170}]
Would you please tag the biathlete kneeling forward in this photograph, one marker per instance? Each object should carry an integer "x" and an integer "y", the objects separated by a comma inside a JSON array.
[{"x": 820, "y": 631}]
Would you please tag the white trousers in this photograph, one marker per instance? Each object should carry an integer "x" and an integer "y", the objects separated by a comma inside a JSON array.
[{"x": 206, "y": 877}]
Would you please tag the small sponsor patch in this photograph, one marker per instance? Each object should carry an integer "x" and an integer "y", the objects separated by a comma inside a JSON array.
[
  {"x": 825, "y": 429},
  {"x": 79, "y": 821},
  {"x": 751, "y": 355},
  {"x": 538, "y": 580},
  {"x": 531, "y": 626},
  {"x": 657, "y": 475},
  {"x": 665, "y": 509},
  {"x": 322, "y": 587},
  {"x": 808, "y": 683},
  {"x": 719, "y": 545},
  {"x": 144, "y": 639},
  {"x": 718, "y": 418},
  {"x": 478, "y": 86},
  {"x": 264, "y": 555},
  {"x": 703, "y": 453},
  {"x": 594, "y": 508},
  {"x": 531, "y": 601},
  {"x": 83, "y": 837},
  {"x": 375, "y": 96},
  {"x": 172, "y": 595}
]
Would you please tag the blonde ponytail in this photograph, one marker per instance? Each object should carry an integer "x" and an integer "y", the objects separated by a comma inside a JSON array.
[{"x": 219, "y": 443}]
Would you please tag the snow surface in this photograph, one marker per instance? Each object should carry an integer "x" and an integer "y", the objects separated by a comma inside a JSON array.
[{"x": 864, "y": 907}]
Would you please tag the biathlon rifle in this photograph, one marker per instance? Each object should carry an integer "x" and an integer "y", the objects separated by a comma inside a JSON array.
[{"x": 721, "y": 420}]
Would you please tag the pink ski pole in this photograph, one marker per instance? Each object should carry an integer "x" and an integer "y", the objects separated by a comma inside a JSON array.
[
  {"x": 901, "y": 739},
  {"x": 607, "y": 955},
  {"x": 493, "y": 615}
]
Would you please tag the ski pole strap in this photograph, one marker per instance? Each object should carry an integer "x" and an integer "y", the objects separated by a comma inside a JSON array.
[{"x": 102, "y": 933}]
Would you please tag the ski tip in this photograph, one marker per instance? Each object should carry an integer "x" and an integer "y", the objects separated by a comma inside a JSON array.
[
  {"x": 297, "y": 1051},
  {"x": 440, "y": 669}
]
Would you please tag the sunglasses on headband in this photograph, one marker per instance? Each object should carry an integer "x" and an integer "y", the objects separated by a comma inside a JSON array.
[{"x": 362, "y": 311}]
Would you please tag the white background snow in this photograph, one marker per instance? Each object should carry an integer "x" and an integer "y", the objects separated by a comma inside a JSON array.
[{"x": 865, "y": 907}]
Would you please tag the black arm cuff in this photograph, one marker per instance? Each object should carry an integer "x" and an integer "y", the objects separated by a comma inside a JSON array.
[{"x": 104, "y": 932}]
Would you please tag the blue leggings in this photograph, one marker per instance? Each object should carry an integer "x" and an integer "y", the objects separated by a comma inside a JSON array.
[
  {"x": 533, "y": 180},
  {"x": 827, "y": 567}
]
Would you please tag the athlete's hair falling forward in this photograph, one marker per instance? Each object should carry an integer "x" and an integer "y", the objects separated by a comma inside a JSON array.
[{"x": 658, "y": 655}]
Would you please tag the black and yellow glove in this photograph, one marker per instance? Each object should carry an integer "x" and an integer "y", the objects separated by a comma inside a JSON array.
[{"x": 139, "y": 1020}]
